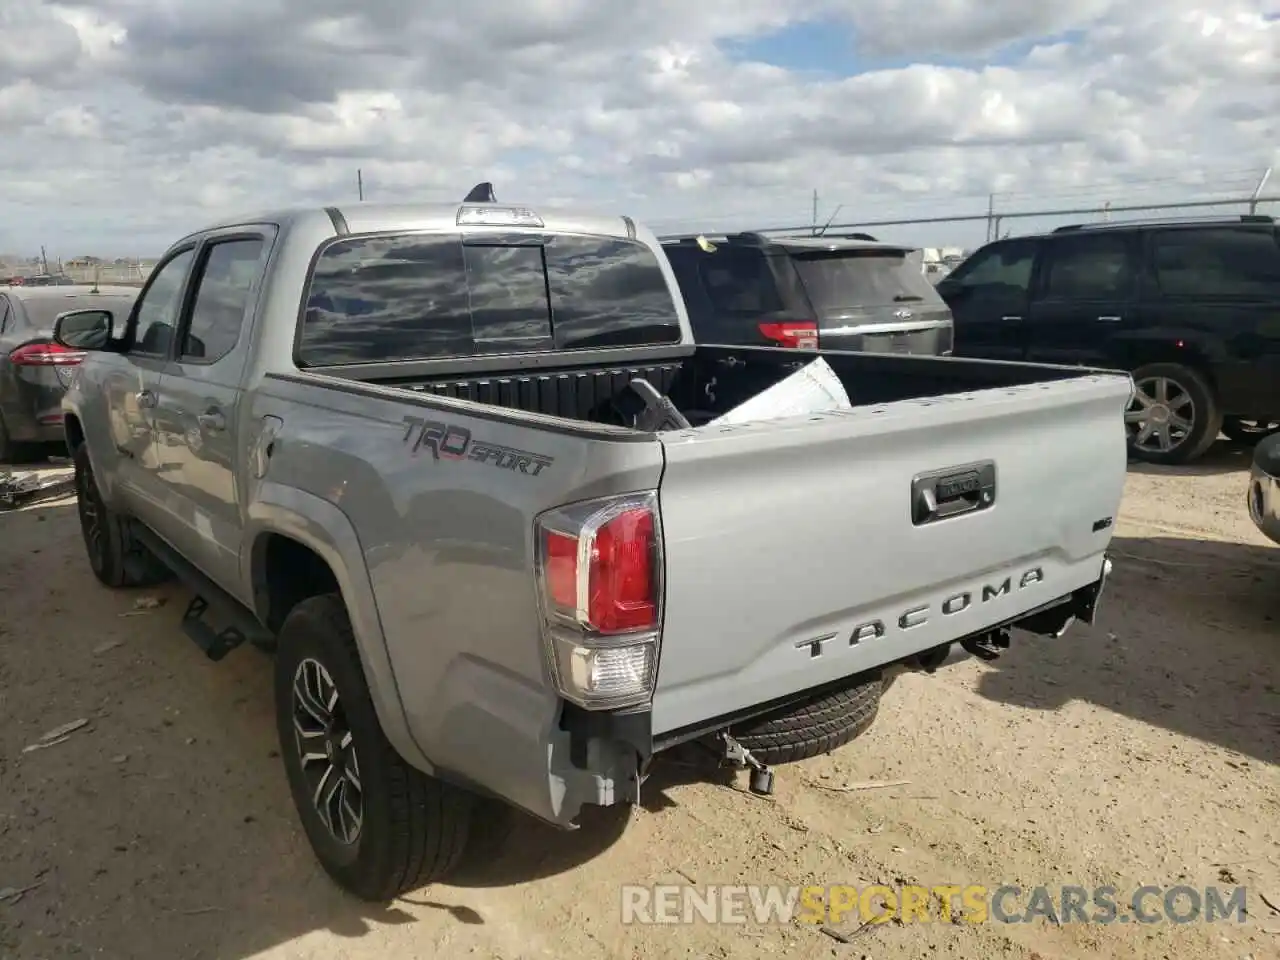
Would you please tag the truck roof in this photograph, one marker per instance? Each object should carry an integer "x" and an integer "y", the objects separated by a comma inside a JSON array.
[{"x": 358, "y": 218}]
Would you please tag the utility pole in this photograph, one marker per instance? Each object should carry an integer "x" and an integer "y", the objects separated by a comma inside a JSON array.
[
  {"x": 815, "y": 211},
  {"x": 1257, "y": 191},
  {"x": 44, "y": 260},
  {"x": 991, "y": 217},
  {"x": 360, "y": 183}
]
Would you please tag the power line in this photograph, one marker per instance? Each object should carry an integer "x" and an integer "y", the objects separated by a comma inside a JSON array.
[{"x": 1226, "y": 184}]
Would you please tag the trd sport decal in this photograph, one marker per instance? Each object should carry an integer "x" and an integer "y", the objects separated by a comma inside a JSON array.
[{"x": 449, "y": 442}]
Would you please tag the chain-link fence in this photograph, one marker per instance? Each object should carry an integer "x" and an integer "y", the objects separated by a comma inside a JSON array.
[
  {"x": 1012, "y": 222},
  {"x": 1000, "y": 218},
  {"x": 127, "y": 273}
]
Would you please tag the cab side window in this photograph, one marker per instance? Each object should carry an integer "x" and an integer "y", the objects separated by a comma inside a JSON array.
[
  {"x": 224, "y": 289},
  {"x": 156, "y": 313}
]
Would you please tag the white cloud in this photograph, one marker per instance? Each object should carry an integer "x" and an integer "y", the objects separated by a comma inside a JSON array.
[{"x": 124, "y": 123}]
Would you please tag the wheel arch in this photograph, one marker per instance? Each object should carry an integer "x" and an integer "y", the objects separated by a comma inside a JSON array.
[
  {"x": 1194, "y": 353},
  {"x": 301, "y": 546},
  {"x": 74, "y": 431}
]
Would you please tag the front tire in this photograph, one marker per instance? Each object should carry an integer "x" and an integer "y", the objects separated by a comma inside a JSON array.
[
  {"x": 117, "y": 559},
  {"x": 1174, "y": 417},
  {"x": 378, "y": 826}
]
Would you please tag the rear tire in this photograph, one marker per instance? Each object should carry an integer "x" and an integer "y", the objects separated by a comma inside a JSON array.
[
  {"x": 392, "y": 828},
  {"x": 1176, "y": 402},
  {"x": 117, "y": 559},
  {"x": 813, "y": 728}
]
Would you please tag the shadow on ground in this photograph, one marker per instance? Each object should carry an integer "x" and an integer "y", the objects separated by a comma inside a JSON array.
[
  {"x": 164, "y": 825},
  {"x": 1187, "y": 639},
  {"x": 1225, "y": 456},
  {"x": 509, "y": 847}
]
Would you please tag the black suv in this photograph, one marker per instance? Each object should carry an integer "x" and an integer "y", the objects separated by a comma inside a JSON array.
[
  {"x": 1190, "y": 307},
  {"x": 847, "y": 293}
]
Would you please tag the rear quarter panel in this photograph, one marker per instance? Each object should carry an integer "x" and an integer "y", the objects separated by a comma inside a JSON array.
[{"x": 448, "y": 544}]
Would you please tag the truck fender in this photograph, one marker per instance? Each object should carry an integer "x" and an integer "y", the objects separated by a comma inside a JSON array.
[
  {"x": 323, "y": 528},
  {"x": 74, "y": 429}
]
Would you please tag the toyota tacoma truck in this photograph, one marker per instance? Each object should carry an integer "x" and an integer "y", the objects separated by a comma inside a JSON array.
[{"x": 412, "y": 451}]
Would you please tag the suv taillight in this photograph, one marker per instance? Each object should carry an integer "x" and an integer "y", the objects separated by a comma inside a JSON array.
[
  {"x": 802, "y": 335},
  {"x": 45, "y": 354},
  {"x": 600, "y": 592}
]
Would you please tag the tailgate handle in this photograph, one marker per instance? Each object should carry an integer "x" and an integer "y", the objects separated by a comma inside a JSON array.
[{"x": 953, "y": 491}]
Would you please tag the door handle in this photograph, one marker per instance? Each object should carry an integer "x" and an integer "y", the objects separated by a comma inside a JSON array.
[
  {"x": 1110, "y": 319},
  {"x": 145, "y": 398},
  {"x": 212, "y": 420},
  {"x": 1013, "y": 319}
]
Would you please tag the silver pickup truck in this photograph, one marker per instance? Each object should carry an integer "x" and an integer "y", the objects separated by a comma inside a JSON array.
[{"x": 411, "y": 450}]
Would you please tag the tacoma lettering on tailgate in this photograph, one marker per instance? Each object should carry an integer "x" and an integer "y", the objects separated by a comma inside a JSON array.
[
  {"x": 918, "y": 615},
  {"x": 451, "y": 442}
]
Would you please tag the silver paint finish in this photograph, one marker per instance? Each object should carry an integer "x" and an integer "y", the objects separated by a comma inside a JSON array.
[
  {"x": 774, "y": 532},
  {"x": 822, "y": 543}
]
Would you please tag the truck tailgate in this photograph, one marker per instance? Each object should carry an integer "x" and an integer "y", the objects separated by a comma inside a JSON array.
[{"x": 801, "y": 551}]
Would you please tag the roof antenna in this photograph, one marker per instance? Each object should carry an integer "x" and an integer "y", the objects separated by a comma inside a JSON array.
[
  {"x": 823, "y": 231},
  {"x": 481, "y": 193}
]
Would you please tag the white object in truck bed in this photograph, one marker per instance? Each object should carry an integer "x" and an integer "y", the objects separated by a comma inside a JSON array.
[{"x": 814, "y": 388}]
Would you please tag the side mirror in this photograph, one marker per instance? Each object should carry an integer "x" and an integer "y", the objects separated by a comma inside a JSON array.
[{"x": 84, "y": 329}]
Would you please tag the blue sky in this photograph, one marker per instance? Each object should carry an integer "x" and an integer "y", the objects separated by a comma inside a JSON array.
[
  {"x": 815, "y": 46},
  {"x": 828, "y": 47}
]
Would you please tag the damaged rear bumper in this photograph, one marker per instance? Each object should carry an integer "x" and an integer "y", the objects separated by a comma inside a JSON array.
[{"x": 622, "y": 742}]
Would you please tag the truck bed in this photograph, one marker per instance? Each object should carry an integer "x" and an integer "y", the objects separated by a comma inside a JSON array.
[
  {"x": 588, "y": 391},
  {"x": 959, "y": 495}
]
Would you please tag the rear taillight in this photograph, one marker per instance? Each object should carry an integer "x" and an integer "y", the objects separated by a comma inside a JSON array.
[
  {"x": 600, "y": 585},
  {"x": 45, "y": 354},
  {"x": 801, "y": 335}
]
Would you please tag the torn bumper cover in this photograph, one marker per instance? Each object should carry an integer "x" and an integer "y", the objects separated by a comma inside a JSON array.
[
  {"x": 624, "y": 738},
  {"x": 1054, "y": 619}
]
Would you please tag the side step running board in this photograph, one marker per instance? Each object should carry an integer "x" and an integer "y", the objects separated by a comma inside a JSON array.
[{"x": 210, "y": 602}]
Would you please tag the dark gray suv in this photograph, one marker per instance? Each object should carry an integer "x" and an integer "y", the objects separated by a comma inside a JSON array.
[
  {"x": 837, "y": 293},
  {"x": 35, "y": 371}
]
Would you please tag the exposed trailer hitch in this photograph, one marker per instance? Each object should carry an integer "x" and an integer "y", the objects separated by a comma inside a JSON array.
[
  {"x": 987, "y": 646},
  {"x": 740, "y": 758}
]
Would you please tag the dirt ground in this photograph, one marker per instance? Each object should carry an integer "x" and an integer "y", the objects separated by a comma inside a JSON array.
[{"x": 1144, "y": 750}]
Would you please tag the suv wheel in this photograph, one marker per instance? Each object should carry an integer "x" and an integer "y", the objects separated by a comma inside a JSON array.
[
  {"x": 1248, "y": 432},
  {"x": 378, "y": 826},
  {"x": 1173, "y": 417}
]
